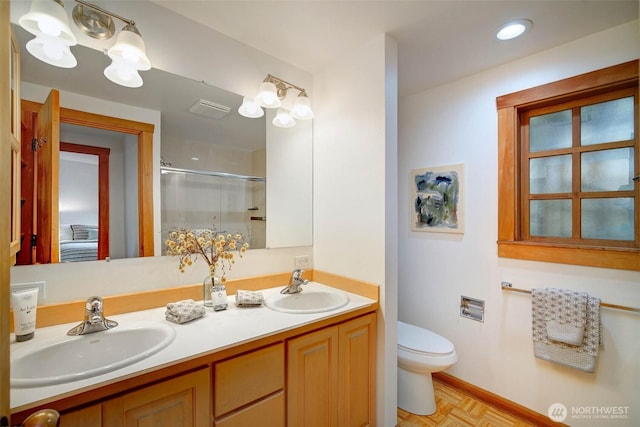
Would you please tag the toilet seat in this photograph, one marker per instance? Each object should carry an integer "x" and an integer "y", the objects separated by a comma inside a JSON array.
[{"x": 420, "y": 341}]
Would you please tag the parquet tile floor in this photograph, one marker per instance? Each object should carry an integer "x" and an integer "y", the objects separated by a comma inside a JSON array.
[{"x": 456, "y": 408}]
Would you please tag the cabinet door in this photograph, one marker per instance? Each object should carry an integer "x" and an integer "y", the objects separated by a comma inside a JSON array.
[
  {"x": 90, "y": 416},
  {"x": 312, "y": 379},
  {"x": 183, "y": 401},
  {"x": 357, "y": 372}
]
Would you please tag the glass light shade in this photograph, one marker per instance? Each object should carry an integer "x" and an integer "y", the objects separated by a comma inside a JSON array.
[
  {"x": 268, "y": 96},
  {"x": 283, "y": 119},
  {"x": 250, "y": 108},
  {"x": 48, "y": 18},
  {"x": 52, "y": 51},
  {"x": 302, "y": 108},
  {"x": 129, "y": 49},
  {"x": 513, "y": 29},
  {"x": 123, "y": 74}
]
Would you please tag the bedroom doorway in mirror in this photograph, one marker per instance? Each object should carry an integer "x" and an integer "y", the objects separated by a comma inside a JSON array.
[{"x": 84, "y": 202}]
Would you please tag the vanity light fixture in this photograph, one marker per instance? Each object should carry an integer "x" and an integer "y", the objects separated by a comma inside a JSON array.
[
  {"x": 513, "y": 29},
  {"x": 47, "y": 20},
  {"x": 272, "y": 92}
]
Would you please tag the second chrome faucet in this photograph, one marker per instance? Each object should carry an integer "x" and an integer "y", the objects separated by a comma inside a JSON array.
[{"x": 295, "y": 282}]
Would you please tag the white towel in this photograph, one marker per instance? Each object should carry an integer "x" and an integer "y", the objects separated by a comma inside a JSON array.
[
  {"x": 581, "y": 356},
  {"x": 184, "y": 311},
  {"x": 249, "y": 298},
  {"x": 566, "y": 315}
]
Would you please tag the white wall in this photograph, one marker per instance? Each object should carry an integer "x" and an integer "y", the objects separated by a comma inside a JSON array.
[
  {"x": 457, "y": 123},
  {"x": 355, "y": 186}
]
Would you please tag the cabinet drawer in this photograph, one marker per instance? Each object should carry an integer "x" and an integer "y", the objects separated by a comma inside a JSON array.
[
  {"x": 246, "y": 378},
  {"x": 266, "y": 413}
]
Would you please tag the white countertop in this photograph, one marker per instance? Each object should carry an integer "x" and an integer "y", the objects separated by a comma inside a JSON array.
[{"x": 215, "y": 331}]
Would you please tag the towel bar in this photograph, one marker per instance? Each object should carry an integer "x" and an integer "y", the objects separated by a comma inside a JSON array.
[{"x": 506, "y": 286}]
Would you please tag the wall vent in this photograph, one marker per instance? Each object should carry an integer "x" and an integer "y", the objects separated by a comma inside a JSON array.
[{"x": 209, "y": 109}]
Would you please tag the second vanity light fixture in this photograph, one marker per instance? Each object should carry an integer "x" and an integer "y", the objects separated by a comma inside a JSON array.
[
  {"x": 272, "y": 91},
  {"x": 47, "y": 20}
]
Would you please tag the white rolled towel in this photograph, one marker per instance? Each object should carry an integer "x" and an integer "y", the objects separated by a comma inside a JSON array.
[
  {"x": 184, "y": 311},
  {"x": 249, "y": 298}
]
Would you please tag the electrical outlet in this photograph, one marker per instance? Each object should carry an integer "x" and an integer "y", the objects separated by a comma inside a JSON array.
[
  {"x": 302, "y": 261},
  {"x": 42, "y": 295}
]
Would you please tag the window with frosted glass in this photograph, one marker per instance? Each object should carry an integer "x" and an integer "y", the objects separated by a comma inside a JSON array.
[
  {"x": 550, "y": 218},
  {"x": 607, "y": 170},
  {"x": 550, "y": 131},
  {"x": 608, "y": 219},
  {"x": 581, "y": 166},
  {"x": 609, "y": 121},
  {"x": 550, "y": 175}
]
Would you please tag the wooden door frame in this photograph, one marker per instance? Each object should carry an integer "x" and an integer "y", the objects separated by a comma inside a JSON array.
[
  {"x": 144, "y": 132},
  {"x": 5, "y": 200},
  {"x": 103, "y": 190}
]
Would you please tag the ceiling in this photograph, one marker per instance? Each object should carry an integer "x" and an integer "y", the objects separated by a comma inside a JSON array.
[{"x": 438, "y": 41}]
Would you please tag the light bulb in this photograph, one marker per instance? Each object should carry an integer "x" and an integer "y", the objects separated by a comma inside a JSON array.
[
  {"x": 283, "y": 119},
  {"x": 130, "y": 55},
  {"x": 302, "y": 108},
  {"x": 49, "y": 26},
  {"x": 513, "y": 29},
  {"x": 53, "y": 50},
  {"x": 250, "y": 108}
]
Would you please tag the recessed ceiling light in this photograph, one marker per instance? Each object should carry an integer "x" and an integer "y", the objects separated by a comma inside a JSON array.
[
  {"x": 195, "y": 158},
  {"x": 513, "y": 29}
]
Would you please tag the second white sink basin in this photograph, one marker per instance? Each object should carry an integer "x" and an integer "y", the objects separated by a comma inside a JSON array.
[
  {"x": 308, "y": 301},
  {"x": 75, "y": 358}
]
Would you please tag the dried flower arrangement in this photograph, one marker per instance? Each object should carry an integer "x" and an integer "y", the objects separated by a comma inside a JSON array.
[{"x": 216, "y": 248}]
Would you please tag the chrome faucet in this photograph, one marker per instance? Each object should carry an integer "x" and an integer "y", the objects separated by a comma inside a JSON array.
[
  {"x": 295, "y": 282},
  {"x": 94, "y": 320}
]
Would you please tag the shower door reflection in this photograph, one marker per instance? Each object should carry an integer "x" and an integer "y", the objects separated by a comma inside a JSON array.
[{"x": 202, "y": 199}]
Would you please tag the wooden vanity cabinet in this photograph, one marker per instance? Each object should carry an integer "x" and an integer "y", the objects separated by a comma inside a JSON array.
[
  {"x": 331, "y": 375},
  {"x": 90, "y": 416},
  {"x": 249, "y": 389},
  {"x": 183, "y": 401},
  {"x": 323, "y": 377}
]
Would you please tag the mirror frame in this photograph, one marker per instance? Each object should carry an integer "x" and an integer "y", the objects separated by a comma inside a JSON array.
[{"x": 144, "y": 132}]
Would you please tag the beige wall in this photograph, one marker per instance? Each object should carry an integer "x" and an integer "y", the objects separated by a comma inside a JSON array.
[{"x": 355, "y": 219}]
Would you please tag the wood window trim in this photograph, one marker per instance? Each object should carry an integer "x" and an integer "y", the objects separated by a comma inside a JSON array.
[{"x": 509, "y": 106}]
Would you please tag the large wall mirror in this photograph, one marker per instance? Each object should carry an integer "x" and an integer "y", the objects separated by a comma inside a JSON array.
[{"x": 218, "y": 168}]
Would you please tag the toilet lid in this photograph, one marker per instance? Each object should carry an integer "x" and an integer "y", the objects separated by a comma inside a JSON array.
[{"x": 415, "y": 338}]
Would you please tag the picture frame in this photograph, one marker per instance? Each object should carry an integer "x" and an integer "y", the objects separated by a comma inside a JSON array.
[{"x": 437, "y": 199}]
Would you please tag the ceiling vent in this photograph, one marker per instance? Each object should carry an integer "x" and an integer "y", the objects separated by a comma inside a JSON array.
[{"x": 210, "y": 109}]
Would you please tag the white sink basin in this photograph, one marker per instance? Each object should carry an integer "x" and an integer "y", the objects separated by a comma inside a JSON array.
[
  {"x": 74, "y": 358},
  {"x": 308, "y": 301}
]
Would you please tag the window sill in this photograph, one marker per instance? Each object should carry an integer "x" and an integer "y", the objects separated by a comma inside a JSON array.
[{"x": 619, "y": 258}]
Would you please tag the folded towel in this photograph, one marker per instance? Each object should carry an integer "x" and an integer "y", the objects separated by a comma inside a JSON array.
[
  {"x": 184, "y": 311},
  {"x": 249, "y": 298},
  {"x": 566, "y": 315},
  {"x": 582, "y": 356}
]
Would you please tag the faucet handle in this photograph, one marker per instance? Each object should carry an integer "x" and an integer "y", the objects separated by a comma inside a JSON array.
[
  {"x": 296, "y": 275},
  {"x": 94, "y": 304}
]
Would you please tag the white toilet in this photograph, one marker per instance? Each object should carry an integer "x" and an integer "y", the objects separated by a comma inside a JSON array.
[{"x": 420, "y": 352}]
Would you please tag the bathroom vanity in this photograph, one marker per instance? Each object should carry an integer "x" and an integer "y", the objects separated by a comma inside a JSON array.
[{"x": 242, "y": 366}]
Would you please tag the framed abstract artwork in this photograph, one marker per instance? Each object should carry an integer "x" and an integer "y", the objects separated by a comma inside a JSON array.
[{"x": 437, "y": 196}]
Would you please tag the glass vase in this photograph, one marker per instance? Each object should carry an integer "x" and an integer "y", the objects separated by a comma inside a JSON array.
[{"x": 207, "y": 285}]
